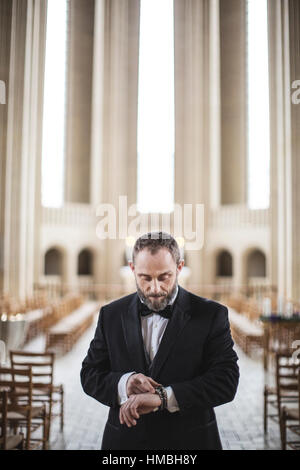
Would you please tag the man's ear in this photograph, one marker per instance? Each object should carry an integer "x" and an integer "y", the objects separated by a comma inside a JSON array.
[
  {"x": 131, "y": 265},
  {"x": 180, "y": 265}
]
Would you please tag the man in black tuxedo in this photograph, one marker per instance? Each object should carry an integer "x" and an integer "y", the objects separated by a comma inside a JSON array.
[{"x": 162, "y": 358}]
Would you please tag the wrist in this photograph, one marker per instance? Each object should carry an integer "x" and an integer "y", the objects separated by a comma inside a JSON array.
[{"x": 158, "y": 401}]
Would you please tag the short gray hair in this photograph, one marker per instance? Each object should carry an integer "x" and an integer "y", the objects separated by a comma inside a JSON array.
[{"x": 154, "y": 241}]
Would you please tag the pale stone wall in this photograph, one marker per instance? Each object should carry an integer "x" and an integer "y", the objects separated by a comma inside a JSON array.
[{"x": 28, "y": 231}]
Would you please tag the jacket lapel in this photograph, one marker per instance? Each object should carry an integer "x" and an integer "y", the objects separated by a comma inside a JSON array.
[
  {"x": 133, "y": 333},
  {"x": 180, "y": 317}
]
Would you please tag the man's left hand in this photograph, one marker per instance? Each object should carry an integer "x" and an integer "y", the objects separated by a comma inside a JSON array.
[{"x": 137, "y": 405}]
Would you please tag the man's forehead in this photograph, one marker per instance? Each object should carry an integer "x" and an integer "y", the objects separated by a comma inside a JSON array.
[
  {"x": 160, "y": 261},
  {"x": 161, "y": 256}
]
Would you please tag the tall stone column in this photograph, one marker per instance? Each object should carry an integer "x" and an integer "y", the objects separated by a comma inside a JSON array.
[
  {"x": 98, "y": 93},
  {"x": 233, "y": 101},
  {"x": 5, "y": 37},
  {"x": 285, "y": 146},
  {"x": 294, "y": 41},
  {"x": 197, "y": 115},
  {"x": 23, "y": 146},
  {"x": 79, "y": 100},
  {"x": 114, "y": 125},
  {"x": 214, "y": 109},
  {"x": 97, "y": 123}
]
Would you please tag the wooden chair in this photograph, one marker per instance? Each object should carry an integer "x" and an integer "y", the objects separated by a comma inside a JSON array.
[
  {"x": 287, "y": 415},
  {"x": 8, "y": 441},
  {"x": 44, "y": 390},
  {"x": 18, "y": 382},
  {"x": 285, "y": 390}
]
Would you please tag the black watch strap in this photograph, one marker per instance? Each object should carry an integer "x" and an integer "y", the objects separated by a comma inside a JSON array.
[{"x": 161, "y": 391}]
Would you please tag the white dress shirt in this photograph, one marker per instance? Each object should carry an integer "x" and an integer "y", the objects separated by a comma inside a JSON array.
[{"x": 153, "y": 327}]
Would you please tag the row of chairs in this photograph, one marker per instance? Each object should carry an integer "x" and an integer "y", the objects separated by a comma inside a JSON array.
[
  {"x": 248, "y": 307},
  {"x": 12, "y": 305},
  {"x": 40, "y": 320},
  {"x": 247, "y": 334},
  {"x": 282, "y": 401},
  {"x": 28, "y": 400},
  {"x": 246, "y": 328}
]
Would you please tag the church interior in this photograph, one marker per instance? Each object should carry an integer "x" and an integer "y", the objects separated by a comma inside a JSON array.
[{"x": 120, "y": 117}]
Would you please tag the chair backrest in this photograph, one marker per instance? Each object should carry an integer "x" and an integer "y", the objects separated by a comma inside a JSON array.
[
  {"x": 41, "y": 364},
  {"x": 18, "y": 383},
  {"x": 287, "y": 370},
  {"x": 282, "y": 334}
]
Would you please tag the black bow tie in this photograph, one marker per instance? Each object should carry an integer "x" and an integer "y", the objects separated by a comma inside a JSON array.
[{"x": 166, "y": 312}]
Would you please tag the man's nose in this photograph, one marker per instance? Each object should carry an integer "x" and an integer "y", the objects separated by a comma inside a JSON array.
[{"x": 155, "y": 287}]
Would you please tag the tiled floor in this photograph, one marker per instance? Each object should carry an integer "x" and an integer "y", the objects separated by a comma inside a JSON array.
[{"x": 240, "y": 422}]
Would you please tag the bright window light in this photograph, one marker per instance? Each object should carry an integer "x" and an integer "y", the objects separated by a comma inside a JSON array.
[
  {"x": 54, "y": 105},
  {"x": 258, "y": 106},
  {"x": 155, "y": 166}
]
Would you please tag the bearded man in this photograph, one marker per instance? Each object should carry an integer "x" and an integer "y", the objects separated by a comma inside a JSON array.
[{"x": 162, "y": 358}]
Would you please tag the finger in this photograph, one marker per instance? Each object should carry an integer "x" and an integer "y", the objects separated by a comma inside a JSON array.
[
  {"x": 146, "y": 386},
  {"x": 149, "y": 387},
  {"x": 127, "y": 414},
  {"x": 133, "y": 410},
  {"x": 126, "y": 420},
  {"x": 141, "y": 379},
  {"x": 122, "y": 419},
  {"x": 137, "y": 390},
  {"x": 130, "y": 420},
  {"x": 132, "y": 414},
  {"x": 123, "y": 413},
  {"x": 153, "y": 382},
  {"x": 138, "y": 378}
]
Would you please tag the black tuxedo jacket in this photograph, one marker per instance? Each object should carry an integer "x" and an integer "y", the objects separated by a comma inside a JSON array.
[{"x": 195, "y": 357}]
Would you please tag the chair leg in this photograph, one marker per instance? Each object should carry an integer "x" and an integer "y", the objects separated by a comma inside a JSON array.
[
  {"x": 282, "y": 422},
  {"x": 22, "y": 447},
  {"x": 45, "y": 430},
  {"x": 265, "y": 410},
  {"x": 62, "y": 409},
  {"x": 49, "y": 419},
  {"x": 28, "y": 436}
]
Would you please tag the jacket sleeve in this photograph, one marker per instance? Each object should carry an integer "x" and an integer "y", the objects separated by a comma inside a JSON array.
[
  {"x": 97, "y": 378},
  {"x": 218, "y": 384}
]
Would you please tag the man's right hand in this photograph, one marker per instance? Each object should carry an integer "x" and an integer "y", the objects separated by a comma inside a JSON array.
[{"x": 140, "y": 383}]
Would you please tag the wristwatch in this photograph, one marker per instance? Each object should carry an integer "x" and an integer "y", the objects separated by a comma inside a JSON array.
[{"x": 161, "y": 391}]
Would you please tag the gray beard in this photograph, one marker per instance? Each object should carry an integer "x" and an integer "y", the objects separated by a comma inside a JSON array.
[{"x": 164, "y": 302}]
